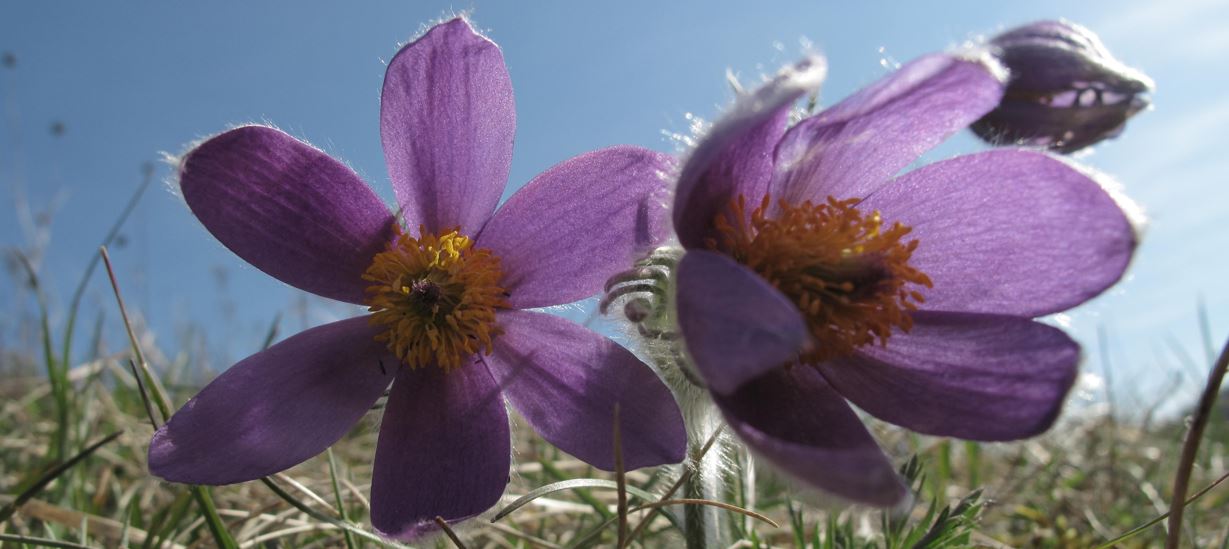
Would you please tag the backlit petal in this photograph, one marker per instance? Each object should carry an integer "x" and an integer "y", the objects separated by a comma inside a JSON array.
[
  {"x": 447, "y": 120},
  {"x": 561, "y": 236},
  {"x": 735, "y": 157},
  {"x": 444, "y": 450},
  {"x": 287, "y": 208},
  {"x": 567, "y": 380},
  {"x": 796, "y": 422},
  {"x": 275, "y": 408},
  {"x": 1009, "y": 232},
  {"x": 859, "y": 144},
  {"x": 977, "y": 377}
]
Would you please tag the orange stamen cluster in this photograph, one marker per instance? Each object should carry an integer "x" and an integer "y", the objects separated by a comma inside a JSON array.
[
  {"x": 437, "y": 297},
  {"x": 848, "y": 274}
]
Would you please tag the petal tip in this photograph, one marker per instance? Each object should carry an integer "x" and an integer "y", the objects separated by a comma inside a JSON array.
[
  {"x": 736, "y": 325},
  {"x": 983, "y": 58},
  {"x": 458, "y": 26},
  {"x": 447, "y": 126},
  {"x": 1134, "y": 213},
  {"x": 735, "y": 155},
  {"x": 412, "y": 532},
  {"x": 665, "y": 452},
  {"x": 419, "y": 529},
  {"x": 159, "y": 455}
]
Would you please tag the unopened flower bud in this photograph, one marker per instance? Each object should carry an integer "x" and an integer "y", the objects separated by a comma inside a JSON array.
[{"x": 1066, "y": 91}]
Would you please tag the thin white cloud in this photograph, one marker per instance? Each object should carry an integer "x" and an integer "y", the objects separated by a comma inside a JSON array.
[
  {"x": 1155, "y": 32},
  {"x": 1183, "y": 139}
]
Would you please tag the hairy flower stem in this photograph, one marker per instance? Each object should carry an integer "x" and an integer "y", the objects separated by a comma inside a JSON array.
[
  {"x": 703, "y": 526},
  {"x": 647, "y": 294},
  {"x": 694, "y": 515}
]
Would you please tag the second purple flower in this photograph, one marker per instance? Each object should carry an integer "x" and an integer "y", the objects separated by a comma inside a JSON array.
[{"x": 814, "y": 274}]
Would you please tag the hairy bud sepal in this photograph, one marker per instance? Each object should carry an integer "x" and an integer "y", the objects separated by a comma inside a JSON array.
[{"x": 1066, "y": 91}]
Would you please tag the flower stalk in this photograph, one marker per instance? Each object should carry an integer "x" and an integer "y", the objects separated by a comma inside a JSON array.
[{"x": 704, "y": 526}]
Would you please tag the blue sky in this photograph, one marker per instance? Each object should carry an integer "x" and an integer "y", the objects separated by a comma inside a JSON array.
[{"x": 130, "y": 83}]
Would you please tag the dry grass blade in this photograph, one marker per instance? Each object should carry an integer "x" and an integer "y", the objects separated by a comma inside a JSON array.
[
  {"x": 40, "y": 542},
  {"x": 1191, "y": 446},
  {"x": 203, "y": 499},
  {"x": 157, "y": 395},
  {"x": 357, "y": 493},
  {"x": 260, "y": 540},
  {"x": 682, "y": 501},
  {"x": 8, "y": 510},
  {"x": 521, "y": 535},
  {"x": 573, "y": 484},
  {"x": 147, "y": 177},
  {"x": 288, "y": 498},
  {"x": 302, "y": 488},
  {"x": 719, "y": 504},
  {"x": 443, "y": 524},
  {"x": 110, "y": 529}
]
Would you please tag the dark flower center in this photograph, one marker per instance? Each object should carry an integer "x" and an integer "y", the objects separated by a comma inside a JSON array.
[
  {"x": 436, "y": 297},
  {"x": 426, "y": 295},
  {"x": 848, "y": 274}
]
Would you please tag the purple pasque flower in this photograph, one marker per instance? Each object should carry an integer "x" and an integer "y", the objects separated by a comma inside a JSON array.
[
  {"x": 450, "y": 297},
  {"x": 814, "y": 274}
]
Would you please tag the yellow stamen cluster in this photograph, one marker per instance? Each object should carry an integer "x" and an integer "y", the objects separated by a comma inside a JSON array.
[
  {"x": 437, "y": 297},
  {"x": 848, "y": 274}
]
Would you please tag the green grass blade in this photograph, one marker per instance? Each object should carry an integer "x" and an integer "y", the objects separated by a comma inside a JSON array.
[
  {"x": 158, "y": 397},
  {"x": 41, "y": 542},
  {"x": 271, "y": 335},
  {"x": 42, "y": 482},
  {"x": 1160, "y": 518},
  {"x": 212, "y": 519},
  {"x": 57, "y": 372},
  {"x": 582, "y": 493},
  {"x": 203, "y": 500},
  {"x": 341, "y": 504},
  {"x": 79, "y": 292},
  {"x": 293, "y": 501}
]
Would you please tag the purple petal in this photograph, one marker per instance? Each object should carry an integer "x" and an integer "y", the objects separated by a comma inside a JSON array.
[
  {"x": 737, "y": 326},
  {"x": 444, "y": 450},
  {"x": 288, "y": 209},
  {"x": 561, "y": 236},
  {"x": 735, "y": 157},
  {"x": 979, "y": 377},
  {"x": 1009, "y": 232},
  {"x": 855, "y": 147},
  {"x": 275, "y": 408},
  {"x": 567, "y": 380},
  {"x": 447, "y": 120},
  {"x": 795, "y": 421}
]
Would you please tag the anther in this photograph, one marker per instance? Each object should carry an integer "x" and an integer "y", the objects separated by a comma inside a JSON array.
[
  {"x": 846, "y": 271},
  {"x": 435, "y": 297}
]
